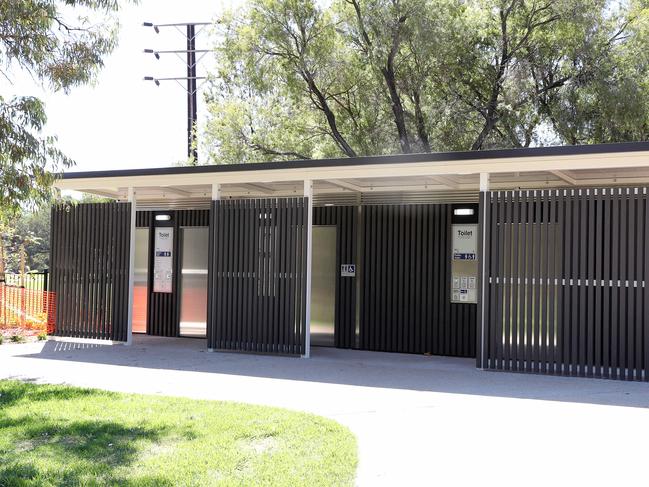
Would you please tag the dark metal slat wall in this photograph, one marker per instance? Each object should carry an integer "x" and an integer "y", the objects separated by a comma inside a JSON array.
[
  {"x": 346, "y": 220},
  {"x": 256, "y": 290},
  {"x": 89, "y": 265},
  {"x": 565, "y": 282},
  {"x": 405, "y": 305},
  {"x": 163, "y": 316}
]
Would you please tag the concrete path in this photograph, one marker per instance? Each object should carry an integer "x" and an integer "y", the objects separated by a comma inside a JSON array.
[{"x": 419, "y": 420}]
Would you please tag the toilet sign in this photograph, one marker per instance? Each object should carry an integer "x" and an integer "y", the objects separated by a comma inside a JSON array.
[
  {"x": 465, "y": 242},
  {"x": 163, "y": 260},
  {"x": 464, "y": 263},
  {"x": 348, "y": 270}
]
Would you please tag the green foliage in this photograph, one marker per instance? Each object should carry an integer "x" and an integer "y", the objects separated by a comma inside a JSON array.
[
  {"x": 60, "y": 43},
  {"x": 608, "y": 99},
  {"x": 28, "y": 230},
  {"x": 306, "y": 79},
  {"x": 2, "y": 339},
  {"x": 267, "y": 59},
  {"x": 17, "y": 338},
  {"x": 42, "y": 336}
]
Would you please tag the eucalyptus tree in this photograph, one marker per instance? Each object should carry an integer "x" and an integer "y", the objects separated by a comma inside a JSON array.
[
  {"x": 559, "y": 71},
  {"x": 61, "y": 44},
  {"x": 300, "y": 79},
  {"x": 283, "y": 86},
  {"x": 296, "y": 79},
  {"x": 378, "y": 29},
  {"x": 605, "y": 97},
  {"x": 495, "y": 80}
]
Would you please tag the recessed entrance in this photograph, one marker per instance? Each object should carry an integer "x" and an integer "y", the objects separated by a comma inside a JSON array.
[
  {"x": 141, "y": 280},
  {"x": 323, "y": 286},
  {"x": 193, "y": 281}
]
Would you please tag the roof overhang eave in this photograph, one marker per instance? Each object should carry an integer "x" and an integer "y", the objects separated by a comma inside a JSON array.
[{"x": 264, "y": 173}]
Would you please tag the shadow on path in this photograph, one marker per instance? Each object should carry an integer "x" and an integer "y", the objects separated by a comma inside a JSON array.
[{"x": 351, "y": 367}]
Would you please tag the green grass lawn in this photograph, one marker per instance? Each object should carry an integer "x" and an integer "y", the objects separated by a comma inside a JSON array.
[{"x": 58, "y": 435}]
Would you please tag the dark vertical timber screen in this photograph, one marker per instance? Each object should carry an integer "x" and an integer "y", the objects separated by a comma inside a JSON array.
[
  {"x": 405, "y": 300},
  {"x": 565, "y": 289},
  {"x": 89, "y": 264},
  {"x": 257, "y": 283}
]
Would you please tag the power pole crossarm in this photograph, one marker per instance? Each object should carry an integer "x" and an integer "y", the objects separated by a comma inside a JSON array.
[{"x": 190, "y": 32}]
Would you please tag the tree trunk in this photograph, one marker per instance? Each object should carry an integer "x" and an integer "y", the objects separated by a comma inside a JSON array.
[
  {"x": 421, "y": 123},
  {"x": 331, "y": 118},
  {"x": 486, "y": 129},
  {"x": 491, "y": 110},
  {"x": 397, "y": 107},
  {"x": 388, "y": 74}
]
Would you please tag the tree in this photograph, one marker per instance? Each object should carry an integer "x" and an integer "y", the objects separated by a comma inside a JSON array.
[
  {"x": 287, "y": 86},
  {"x": 533, "y": 58},
  {"x": 408, "y": 44},
  {"x": 356, "y": 77},
  {"x": 33, "y": 229},
  {"x": 24, "y": 244},
  {"x": 606, "y": 97},
  {"x": 60, "y": 43}
]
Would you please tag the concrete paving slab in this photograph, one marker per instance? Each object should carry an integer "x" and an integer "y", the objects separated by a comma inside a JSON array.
[{"x": 419, "y": 420}]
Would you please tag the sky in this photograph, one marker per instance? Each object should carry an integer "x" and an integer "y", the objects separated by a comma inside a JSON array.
[{"x": 123, "y": 121}]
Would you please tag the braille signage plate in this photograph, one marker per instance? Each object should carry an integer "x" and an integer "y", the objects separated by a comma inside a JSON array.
[{"x": 348, "y": 270}]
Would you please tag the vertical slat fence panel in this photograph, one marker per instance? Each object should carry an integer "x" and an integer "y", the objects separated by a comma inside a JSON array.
[
  {"x": 89, "y": 268},
  {"x": 256, "y": 285},
  {"x": 571, "y": 295}
]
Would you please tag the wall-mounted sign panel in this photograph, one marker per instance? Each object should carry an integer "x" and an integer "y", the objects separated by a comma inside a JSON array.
[
  {"x": 464, "y": 264},
  {"x": 465, "y": 242},
  {"x": 348, "y": 270},
  {"x": 163, "y": 260}
]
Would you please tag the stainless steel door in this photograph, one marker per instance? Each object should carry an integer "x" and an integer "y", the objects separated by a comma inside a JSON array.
[
  {"x": 141, "y": 280},
  {"x": 193, "y": 281},
  {"x": 323, "y": 286}
]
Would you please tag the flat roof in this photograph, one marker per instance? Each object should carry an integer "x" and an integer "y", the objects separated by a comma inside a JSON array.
[
  {"x": 445, "y": 175},
  {"x": 430, "y": 157}
]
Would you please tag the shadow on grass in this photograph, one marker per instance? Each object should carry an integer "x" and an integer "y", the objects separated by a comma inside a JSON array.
[
  {"x": 105, "y": 443},
  {"x": 45, "y": 451},
  {"x": 84, "y": 451}
]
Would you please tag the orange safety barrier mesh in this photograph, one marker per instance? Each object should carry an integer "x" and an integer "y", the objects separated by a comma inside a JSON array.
[{"x": 27, "y": 310}]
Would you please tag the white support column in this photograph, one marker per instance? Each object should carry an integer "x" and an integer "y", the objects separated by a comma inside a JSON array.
[
  {"x": 216, "y": 196},
  {"x": 216, "y": 191},
  {"x": 484, "y": 187},
  {"x": 131, "y": 267},
  {"x": 484, "y": 181},
  {"x": 308, "y": 193}
]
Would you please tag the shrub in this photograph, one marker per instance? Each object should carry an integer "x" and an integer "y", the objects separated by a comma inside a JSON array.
[
  {"x": 42, "y": 336},
  {"x": 2, "y": 339},
  {"x": 17, "y": 338}
]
